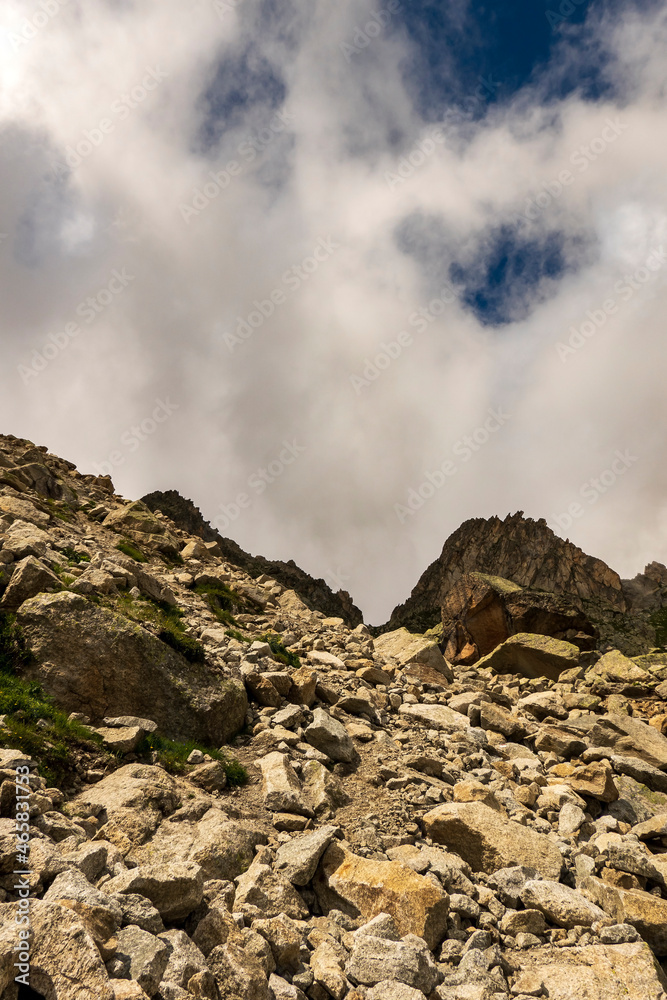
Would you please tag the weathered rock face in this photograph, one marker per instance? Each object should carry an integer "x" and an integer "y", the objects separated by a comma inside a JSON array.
[
  {"x": 408, "y": 649},
  {"x": 316, "y": 593},
  {"x": 481, "y": 611},
  {"x": 601, "y": 973},
  {"x": 519, "y": 549},
  {"x": 488, "y": 841},
  {"x": 97, "y": 662}
]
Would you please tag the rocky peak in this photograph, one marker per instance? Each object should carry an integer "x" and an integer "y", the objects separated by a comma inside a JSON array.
[
  {"x": 316, "y": 593},
  {"x": 519, "y": 549}
]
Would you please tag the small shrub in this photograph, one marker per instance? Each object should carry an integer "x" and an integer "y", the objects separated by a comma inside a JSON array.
[
  {"x": 280, "y": 652},
  {"x": 133, "y": 551}
]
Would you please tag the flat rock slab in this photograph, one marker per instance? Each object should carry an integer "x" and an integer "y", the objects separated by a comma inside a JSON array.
[
  {"x": 630, "y": 736},
  {"x": 435, "y": 716},
  {"x": 488, "y": 841},
  {"x": 532, "y": 656},
  {"x": 598, "y": 972}
]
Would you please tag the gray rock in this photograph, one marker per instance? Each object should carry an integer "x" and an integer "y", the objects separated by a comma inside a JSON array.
[
  {"x": 619, "y": 934},
  {"x": 561, "y": 905},
  {"x": 30, "y": 577},
  {"x": 174, "y": 889},
  {"x": 185, "y": 958},
  {"x": 93, "y": 660},
  {"x": 142, "y": 957},
  {"x": 282, "y": 990},
  {"x": 138, "y": 910},
  {"x": 281, "y": 787},
  {"x": 328, "y": 736},
  {"x": 409, "y": 961},
  {"x": 298, "y": 859}
]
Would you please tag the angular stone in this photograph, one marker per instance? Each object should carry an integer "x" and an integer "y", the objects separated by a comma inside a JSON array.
[
  {"x": 561, "y": 905},
  {"x": 328, "y": 736},
  {"x": 142, "y": 957},
  {"x": 488, "y": 841},
  {"x": 595, "y": 780},
  {"x": 237, "y": 973},
  {"x": 435, "y": 716},
  {"x": 644, "y": 911},
  {"x": 100, "y": 914},
  {"x": 405, "y": 647},
  {"x": 121, "y": 740},
  {"x": 298, "y": 858},
  {"x": 185, "y": 958},
  {"x": 596, "y": 972},
  {"x": 367, "y": 887},
  {"x": 499, "y": 720},
  {"x": 138, "y": 910},
  {"x": 408, "y": 961},
  {"x": 561, "y": 741},
  {"x": 630, "y": 736},
  {"x": 302, "y": 690},
  {"x": 323, "y": 791},
  {"x": 175, "y": 890},
  {"x": 93, "y": 660},
  {"x": 25, "y": 539},
  {"x": 281, "y": 787},
  {"x": 30, "y": 577},
  {"x": 262, "y": 894},
  {"x": 284, "y": 938},
  {"x": 327, "y": 968},
  {"x": 532, "y": 656},
  {"x": 62, "y": 953}
]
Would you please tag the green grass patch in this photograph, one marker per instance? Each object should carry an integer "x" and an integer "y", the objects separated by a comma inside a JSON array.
[
  {"x": 63, "y": 511},
  {"x": 183, "y": 644},
  {"x": 174, "y": 757},
  {"x": 133, "y": 551},
  {"x": 279, "y": 651},
  {"x": 169, "y": 621},
  {"x": 73, "y": 557},
  {"x": 222, "y": 601},
  {"x": 25, "y": 704}
]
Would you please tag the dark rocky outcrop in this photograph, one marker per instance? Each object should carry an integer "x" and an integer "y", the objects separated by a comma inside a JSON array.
[
  {"x": 316, "y": 593},
  {"x": 519, "y": 549}
]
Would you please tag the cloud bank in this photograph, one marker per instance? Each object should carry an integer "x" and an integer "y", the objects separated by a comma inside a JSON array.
[{"x": 237, "y": 258}]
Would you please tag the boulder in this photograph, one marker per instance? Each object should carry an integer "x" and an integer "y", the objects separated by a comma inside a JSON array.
[
  {"x": 297, "y": 859},
  {"x": 435, "y": 716},
  {"x": 221, "y": 847},
  {"x": 368, "y": 887},
  {"x": 405, "y": 648},
  {"x": 630, "y": 736},
  {"x": 281, "y": 787},
  {"x": 328, "y": 736},
  {"x": 596, "y": 972},
  {"x": 480, "y": 612},
  {"x": 488, "y": 841},
  {"x": 646, "y": 912},
  {"x": 142, "y": 957},
  {"x": 185, "y": 958},
  {"x": 532, "y": 656},
  {"x": 62, "y": 953},
  {"x": 30, "y": 577},
  {"x": 409, "y": 961},
  {"x": 561, "y": 905},
  {"x": 94, "y": 661},
  {"x": 261, "y": 893},
  {"x": 175, "y": 889}
]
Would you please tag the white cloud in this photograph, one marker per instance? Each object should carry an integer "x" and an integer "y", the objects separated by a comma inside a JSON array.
[{"x": 352, "y": 122}]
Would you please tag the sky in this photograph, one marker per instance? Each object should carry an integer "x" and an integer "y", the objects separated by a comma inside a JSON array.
[{"x": 346, "y": 275}]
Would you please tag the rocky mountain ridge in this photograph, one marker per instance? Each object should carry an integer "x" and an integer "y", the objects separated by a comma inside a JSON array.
[
  {"x": 232, "y": 796},
  {"x": 316, "y": 593}
]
